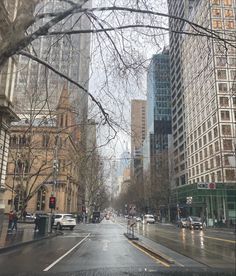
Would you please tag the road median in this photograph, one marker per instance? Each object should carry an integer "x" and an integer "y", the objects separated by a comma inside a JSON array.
[{"x": 153, "y": 252}]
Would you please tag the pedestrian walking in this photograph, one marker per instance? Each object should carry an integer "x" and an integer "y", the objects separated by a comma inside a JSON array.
[
  {"x": 10, "y": 220},
  {"x": 14, "y": 221}
]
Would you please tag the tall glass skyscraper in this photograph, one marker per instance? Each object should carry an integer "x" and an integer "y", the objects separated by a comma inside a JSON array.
[{"x": 158, "y": 126}]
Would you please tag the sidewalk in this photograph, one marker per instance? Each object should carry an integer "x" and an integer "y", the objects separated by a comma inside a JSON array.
[{"x": 24, "y": 234}]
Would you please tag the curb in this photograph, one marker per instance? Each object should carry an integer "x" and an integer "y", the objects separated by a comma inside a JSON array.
[
  {"x": 131, "y": 237},
  {"x": 154, "y": 252},
  {"x": 14, "y": 246}
]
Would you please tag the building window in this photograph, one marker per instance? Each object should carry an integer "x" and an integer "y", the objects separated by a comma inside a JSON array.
[
  {"x": 215, "y": 131},
  {"x": 212, "y": 163},
  {"x": 216, "y": 12},
  {"x": 221, "y": 61},
  {"x": 233, "y": 74},
  {"x": 196, "y": 157},
  {"x": 214, "y": 118},
  {"x": 221, "y": 74},
  {"x": 13, "y": 140},
  {"x": 227, "y": 2},
  {"x": 217, "y": 161},
  {"x": 204, "y": 127},
  {"x": 199, "y": 131},
  {"x": 209, "y": 136},
  {"x": 201, "y": 167},
  {"x": 219, "y": 176},
  {"x": 226, "y": 130},
  {"x": 200, "y": 142},
  {"x": 211, "y": 149},
  {"x": 230, "y": 175},
  {"x": 228, "y": 13},
  {"x": 217, "y": 24},
  {"x": 226, "y": 159},
  {"x": 229, "y": 24},
  {"x": 205, "y": 153},
  {"x": 234, "y": 101},
  {"x": 197, "y": 170},
  {"x": 19, "y": 167},
  {"x": 204, "y": 140},
  {"x": 216, "y": 146},
  {"x": 233, "y": 87},
  {"x": 200, "y": 155},
  {"x": 45, "y": 140},
  {"x": 225, "y": 115},
  {"x": 215, "y": 2},
  {"x": 227, "y": 144},
  {"x": 224, "y": 101},
  {"x": 222, "y": 87},
  {"x": 207, "y": 178},
  {"x": 212, "y": 177}
]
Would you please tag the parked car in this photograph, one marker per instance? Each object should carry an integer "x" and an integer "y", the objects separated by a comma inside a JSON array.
[
  {"x": 30, "y": 217},
  {"x": 138, "y": 219},
  {"x": 182, "y": 222},
  {"x": 148, "y": 219},
  {"x": 194, "y": 223},
  {"x": 64, "y": 220}
]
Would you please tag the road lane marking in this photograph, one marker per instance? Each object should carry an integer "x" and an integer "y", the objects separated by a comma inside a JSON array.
[
  {"x": 67, "y": 253},
  {"x": 149, "y": 255},
  {"x": 219, "y": 239}
]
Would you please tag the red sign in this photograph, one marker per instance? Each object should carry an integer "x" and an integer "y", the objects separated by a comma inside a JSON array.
[
  {"x": 212, "y": 186},
  {"x": 52, "y": 202}
]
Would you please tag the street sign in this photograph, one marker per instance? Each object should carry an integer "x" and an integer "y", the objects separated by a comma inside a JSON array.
[{"x": 206, "y": 186}]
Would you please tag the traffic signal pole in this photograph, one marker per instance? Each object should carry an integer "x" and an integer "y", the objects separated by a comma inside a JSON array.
[{"x": 55, "y": 169}]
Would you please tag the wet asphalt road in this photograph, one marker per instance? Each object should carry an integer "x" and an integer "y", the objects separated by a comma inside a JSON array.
[
  {"x": 103, "y": 247},
  {"x": 211, "y": 247},
  {"x": 98, "y": 246}
]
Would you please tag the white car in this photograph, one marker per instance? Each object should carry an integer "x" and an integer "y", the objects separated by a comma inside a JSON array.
[
  {"x": 148, "y": 219},
  {"x": 64, "y": 220}
]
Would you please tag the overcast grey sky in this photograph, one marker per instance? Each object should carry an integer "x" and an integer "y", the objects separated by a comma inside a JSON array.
[{"x": 110, "y": 83}]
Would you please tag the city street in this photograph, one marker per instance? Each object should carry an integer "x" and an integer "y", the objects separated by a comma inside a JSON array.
[
  {"x": 103, "y": 247},
  {"x": 96, "y": 247}
]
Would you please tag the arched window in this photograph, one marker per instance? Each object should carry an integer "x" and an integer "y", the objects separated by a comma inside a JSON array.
[{"x": 19, "y": 167}]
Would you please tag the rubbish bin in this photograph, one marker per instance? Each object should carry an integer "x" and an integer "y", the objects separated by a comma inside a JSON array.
[{"x": 43, "y": 224}]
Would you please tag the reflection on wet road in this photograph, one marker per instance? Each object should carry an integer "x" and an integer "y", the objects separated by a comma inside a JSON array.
[{"x": 208, "y": 247}]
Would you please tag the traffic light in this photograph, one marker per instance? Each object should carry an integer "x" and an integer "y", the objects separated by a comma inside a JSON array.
[{"x": 52, "y": 202}]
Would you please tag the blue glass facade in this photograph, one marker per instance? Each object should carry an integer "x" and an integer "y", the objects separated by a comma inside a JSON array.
[
  {"x": 158, "y": 130},
  {"x": 159, "y": 101}
]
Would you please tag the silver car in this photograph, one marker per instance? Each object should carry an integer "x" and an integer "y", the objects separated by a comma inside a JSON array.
[
  {"x": 64, "y": 220},
  {"x": 194, "y": 223}
]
